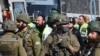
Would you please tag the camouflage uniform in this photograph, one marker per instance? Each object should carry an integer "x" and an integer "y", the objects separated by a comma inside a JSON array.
[
  {"x": 10, "y": 37},
  {"x": 32, "y": 41}
]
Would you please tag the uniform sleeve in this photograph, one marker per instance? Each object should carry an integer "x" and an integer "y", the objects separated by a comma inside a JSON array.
[
  {"x": 75, "y": 43},
  {"x": 45, "y": 46},
  {"x": 36, "y": 45},
  {"x": 22, "y": 51},
  {"x": 97, "y": 52}
]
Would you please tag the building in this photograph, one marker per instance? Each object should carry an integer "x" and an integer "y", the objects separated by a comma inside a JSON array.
[
  {"x": 75, "y": 8},
  {"x": 33, "y": 7}
]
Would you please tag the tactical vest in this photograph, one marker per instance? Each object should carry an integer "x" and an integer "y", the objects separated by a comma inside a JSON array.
[
  {"x": 76, "y": 25},
  {"x": 8, "y": 46},
  {"x": 58, "y": 50},
  {"x": 27, "y": 42},
  {"x": 83, "y": 30}
]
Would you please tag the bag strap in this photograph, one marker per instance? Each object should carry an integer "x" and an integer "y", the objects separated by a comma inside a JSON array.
[
  {"x": 26, "y": 35},
  {"x": 8, "y": 39}
]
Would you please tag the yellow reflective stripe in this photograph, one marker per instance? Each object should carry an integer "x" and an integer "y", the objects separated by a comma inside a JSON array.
[
  {"x": 31, "y": 24},
  {"x": 85, "y": 25}
]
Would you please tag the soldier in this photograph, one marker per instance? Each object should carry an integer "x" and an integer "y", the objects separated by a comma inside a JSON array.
[
  {"x": 10, "y": 44},
  {"x": 52, "y": 16},
  {"x": 60, "y": 42},
  {"x": 30, "y": 38},
  {"x": 76, "y": 33},
  {"x": 94, "y": 38}
]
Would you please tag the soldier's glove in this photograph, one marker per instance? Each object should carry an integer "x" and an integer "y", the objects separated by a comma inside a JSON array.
[{"x": 65, "y": 44}]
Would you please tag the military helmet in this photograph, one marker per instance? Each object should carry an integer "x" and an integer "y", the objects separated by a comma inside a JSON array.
[
  {"x": 9, "y": 25},
  {"x": 52, "y": 16},
  {"x": 24, "y": 17},
  {"x": 62, "y": 19},
  {"x": 95, "y": 26}
]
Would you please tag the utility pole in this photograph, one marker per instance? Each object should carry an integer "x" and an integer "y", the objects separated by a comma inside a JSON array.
[
  {"x": 63, "y": 6},
  {"x": 60, "y": 6},
  {"x": 93, "y": 9},
  {"x": 99, "y": 7}
]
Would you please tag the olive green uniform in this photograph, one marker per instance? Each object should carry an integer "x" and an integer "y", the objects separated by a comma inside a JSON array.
[
  {"x": 73, "y": 41},
  {"x": 33, "y": 43},
  {"x": 10, "y": 44},
  {"x": 97, "y": 50},
  {"x": 53, "y": 40},
  {"x": 95, "y": 27},
  {"x": 60, "y": 41},
  {"x": 19, "y": 49}
]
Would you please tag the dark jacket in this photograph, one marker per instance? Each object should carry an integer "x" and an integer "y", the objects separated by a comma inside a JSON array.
[{"x": 77, "y": 34}]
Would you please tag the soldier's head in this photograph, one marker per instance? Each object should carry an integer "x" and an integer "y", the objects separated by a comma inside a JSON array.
[
  {"x": 94, "y": 30},
  {"x": 22, "y": 20},
  {"x": 82, "y": 19},
  {"x": 62, "y": 22},
  {"x": 71, "y": 23},
  {"x": 9, "y": 26},
  {"x": 40, "y": 20},
  {"x": 52, "y": 16}
]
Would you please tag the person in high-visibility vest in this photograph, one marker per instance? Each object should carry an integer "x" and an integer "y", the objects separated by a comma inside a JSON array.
[
  {"x": 75, "y": 21},
  {"x": 83, "y": 27},
  {"x": 43, "y": 28}
]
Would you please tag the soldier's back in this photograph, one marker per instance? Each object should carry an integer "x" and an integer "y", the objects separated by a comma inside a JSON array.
[{"x": 10, "y": 45}]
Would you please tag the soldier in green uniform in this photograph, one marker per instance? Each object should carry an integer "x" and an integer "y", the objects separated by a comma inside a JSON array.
[
  {"x": 31, "y": 41},
  {"x": 94, "y": 38},
  {"x": 10, "y": 44},
  {"x": 60, "y": 42},
  {"x": 52, "y": 16}
]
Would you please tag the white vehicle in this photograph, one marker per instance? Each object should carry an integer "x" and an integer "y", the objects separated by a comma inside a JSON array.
[{"x": 14, "y": 6}]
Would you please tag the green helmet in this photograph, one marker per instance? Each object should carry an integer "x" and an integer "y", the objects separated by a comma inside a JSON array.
[
  {"x": 62, "y": 19},
  {"x": 24, "y": 17},
  {"x": 52, "y": 16},
  {"x": 95, "y": 26},
  {"x": 9, "y": 25}
]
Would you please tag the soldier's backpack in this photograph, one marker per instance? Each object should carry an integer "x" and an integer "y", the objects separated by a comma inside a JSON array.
[{"x": 8, "y": 46}]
